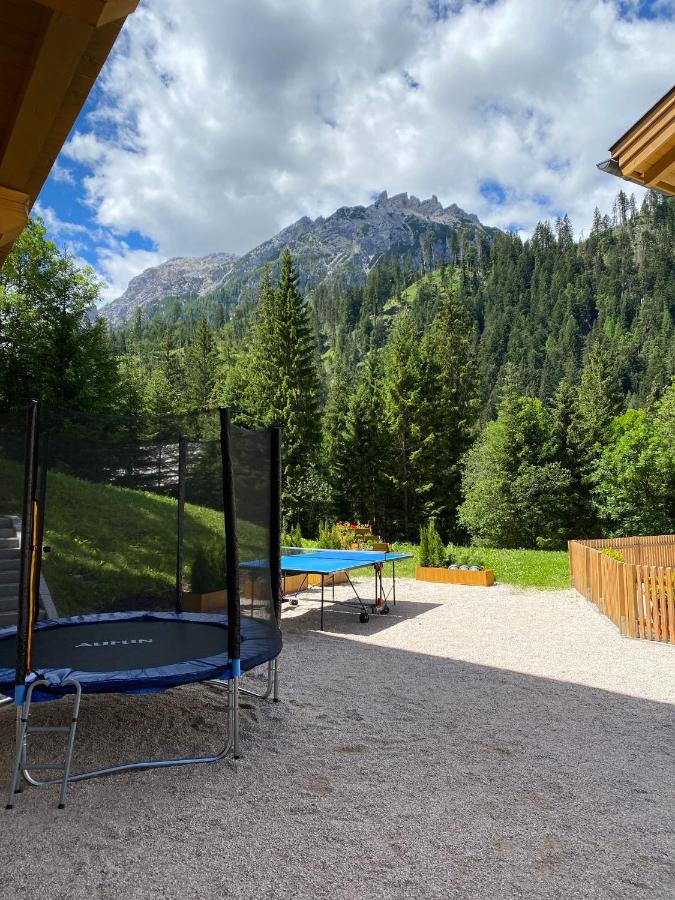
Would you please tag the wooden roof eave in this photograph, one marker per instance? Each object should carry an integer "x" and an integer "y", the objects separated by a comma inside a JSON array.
[{"x": 71, "y": 41}]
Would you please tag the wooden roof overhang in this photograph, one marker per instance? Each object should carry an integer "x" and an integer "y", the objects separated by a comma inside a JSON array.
[
  {"x": 51, "y": 52},
  {"x": 646, "y": 153}
]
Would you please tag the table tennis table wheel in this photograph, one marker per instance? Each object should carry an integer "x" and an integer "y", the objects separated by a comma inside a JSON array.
[
  {"x": 385, "y": 610},
  {"x": 364, "y": 617},
  {"x": 294, "y": 601}
]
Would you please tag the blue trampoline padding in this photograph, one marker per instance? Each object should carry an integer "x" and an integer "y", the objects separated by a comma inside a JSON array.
[{"x": 152, "y": 651}]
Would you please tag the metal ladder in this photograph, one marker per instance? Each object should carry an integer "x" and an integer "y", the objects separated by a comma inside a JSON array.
[{"x": 24, "y": 729}]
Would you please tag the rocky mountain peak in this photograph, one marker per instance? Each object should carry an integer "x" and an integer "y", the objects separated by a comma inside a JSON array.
[{"x": 349, "y": 242}]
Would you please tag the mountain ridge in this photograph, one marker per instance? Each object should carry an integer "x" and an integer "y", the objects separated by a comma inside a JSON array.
[{"x": 349, "y": 242}]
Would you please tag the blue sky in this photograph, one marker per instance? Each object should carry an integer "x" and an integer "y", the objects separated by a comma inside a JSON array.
[{"x": 216, "y": 124}]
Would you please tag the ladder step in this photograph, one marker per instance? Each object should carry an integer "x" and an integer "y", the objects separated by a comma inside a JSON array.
[{"x": 42, "y": 729}]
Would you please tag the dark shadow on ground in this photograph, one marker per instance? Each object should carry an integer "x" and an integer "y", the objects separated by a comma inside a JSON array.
[{"x": 383, "y": 773}]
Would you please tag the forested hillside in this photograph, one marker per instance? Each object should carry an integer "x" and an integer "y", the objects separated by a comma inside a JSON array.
[{"x": 518, "y": 392}]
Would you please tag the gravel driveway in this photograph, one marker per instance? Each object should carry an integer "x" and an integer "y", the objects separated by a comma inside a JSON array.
[{"x": 476, "y": 743}]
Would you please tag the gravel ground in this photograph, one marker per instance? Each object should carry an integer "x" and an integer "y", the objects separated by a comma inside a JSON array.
[{"x": 476, "y": 743}]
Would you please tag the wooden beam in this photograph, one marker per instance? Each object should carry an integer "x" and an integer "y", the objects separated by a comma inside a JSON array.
[
  {"x": 90, "y": 64},
  {"x": 92, "y": 12},
  {"x": 653, "y": 174},
  {"x": 14, "y": 206},
  {"x": 60, "y": 50},
  {"x": 640, "y": 156}
]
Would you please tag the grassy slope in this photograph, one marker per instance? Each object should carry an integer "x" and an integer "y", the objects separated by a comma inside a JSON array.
[
  {"x": 547, "y": 570},
  {"x": 114, "y": 546}
]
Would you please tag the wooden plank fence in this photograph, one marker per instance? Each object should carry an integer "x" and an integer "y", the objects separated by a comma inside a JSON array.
[{"x": 638, "y": 594}]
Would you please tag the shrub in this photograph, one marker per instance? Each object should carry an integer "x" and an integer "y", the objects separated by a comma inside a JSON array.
[
  {"x": 329, "y": 536},
  {"x": 472, "y": 556},
  {"x": 291, "y": 537},
  {"x": 207, "y": 572},
  {"x": 432, "y": 552},
  {"x": 613, "y": 554},
  {"x": 464, "y": 556}
]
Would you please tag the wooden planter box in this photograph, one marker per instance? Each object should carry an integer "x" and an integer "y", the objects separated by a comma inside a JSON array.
[
  {"x": 293, "y": 583},
  {"x": 214, "y": 601},
  {"x": 484, "y": 578}
]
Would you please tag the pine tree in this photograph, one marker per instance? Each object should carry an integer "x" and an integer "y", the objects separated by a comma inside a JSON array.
[
  {"x": 599, "y": 400},
  {"x": 367, "y": 451},
  {"x": 201, "y": 363},
  {"x": 448, "y": 410},
  {"x": 335, "y": 450},
  {"x": 275, "y": 381},
  {"x": 402, "y": 387},
  {"x": 298, "y": 388}
]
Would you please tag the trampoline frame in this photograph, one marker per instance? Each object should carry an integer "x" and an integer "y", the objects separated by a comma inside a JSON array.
[
  {"x": 30, "y": 565},
  {"x": 22, "y": 771}
]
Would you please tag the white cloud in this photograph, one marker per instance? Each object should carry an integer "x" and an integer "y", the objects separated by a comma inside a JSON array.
[
  {"x": 119, "y": 263},
  {"x": 222, "y": 122}
]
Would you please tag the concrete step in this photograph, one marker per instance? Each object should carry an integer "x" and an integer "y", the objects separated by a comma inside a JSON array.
[
  {"x": 7, "y": 618},
  {"x": 10, "y": 563},
  {"x": 6, "y": 522},
  {"x": 8, "y": 590},
  {"x": 9, "y": 552},
  {"x": 9, "y": 604},
  {"x": 9, "y": 576},
  {"x": 7, "y": 532},
  {"x": 9, "y": 543}
]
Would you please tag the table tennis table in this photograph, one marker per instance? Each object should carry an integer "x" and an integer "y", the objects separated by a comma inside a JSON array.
[{"x": 327, "y": 564}]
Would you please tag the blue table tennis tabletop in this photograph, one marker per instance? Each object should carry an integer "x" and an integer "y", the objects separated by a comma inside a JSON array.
[{"x": 329, "y": 562}]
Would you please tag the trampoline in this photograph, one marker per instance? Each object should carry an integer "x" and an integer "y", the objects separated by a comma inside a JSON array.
[
  {"x": 136, "y": 652},
  {"x": 137, "y": 531}
]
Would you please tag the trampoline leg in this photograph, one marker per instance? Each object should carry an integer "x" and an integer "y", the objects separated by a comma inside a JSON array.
[
  {"x": 71, "y": 740},
  {"x": 21, "y": 722},
  {"x": 275, "y": 664},
  {"x": 235, "y": 717}
]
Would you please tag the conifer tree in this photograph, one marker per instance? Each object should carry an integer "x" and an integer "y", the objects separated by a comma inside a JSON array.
[
  {"x": 336, "y": 450},
  {"x": 201, "y": 366},
  {"x": 599, "y": 400},
  {"x": 401, "y": 393},
  {"x": 448, "y": 410},
  {"x": 276, "y": 382},
  {"x": 367, "y": 449},
  {"x": 515, "y": 490},
  {"x": 297, "y": 391}
]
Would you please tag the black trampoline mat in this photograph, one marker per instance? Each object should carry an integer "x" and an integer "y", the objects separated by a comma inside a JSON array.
[{"x": 120, "y": 645}]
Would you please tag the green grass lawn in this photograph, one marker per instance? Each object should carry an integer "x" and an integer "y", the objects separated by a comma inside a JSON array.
[
  {"x": 544, "y": 569},
  {"x": 114, "y": 548}
]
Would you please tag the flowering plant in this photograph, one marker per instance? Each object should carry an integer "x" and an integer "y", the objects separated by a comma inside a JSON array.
[{"x": 355, "y": 533}]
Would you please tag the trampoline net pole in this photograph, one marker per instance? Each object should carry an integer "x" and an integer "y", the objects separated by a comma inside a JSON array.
[
  {"x": 28, "y": 549},
  {"x": 275, "y": 519},
  {"x": 231, "y": 546},
  {"x": 182, "y": 457}
]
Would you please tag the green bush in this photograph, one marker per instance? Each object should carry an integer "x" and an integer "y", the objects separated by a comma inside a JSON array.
[
  {"x": 291, "y": 537},
  {"x": 329, "y": 536},
  {"x": 432, "y": 552},
  {"x": 613, "y": 554},
  {"x": 464, "y": 556},
  {"x": 207, "y": 572},
  {"x": 472, "y": 556}
]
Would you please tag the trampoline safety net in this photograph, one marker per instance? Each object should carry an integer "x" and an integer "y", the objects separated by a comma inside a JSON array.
[{"x": 129, "y": 514}]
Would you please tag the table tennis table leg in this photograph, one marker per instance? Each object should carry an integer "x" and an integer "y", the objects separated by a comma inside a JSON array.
[
  {"x": 393, "y": 580},
  {"x": 322, "y": 581}
]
